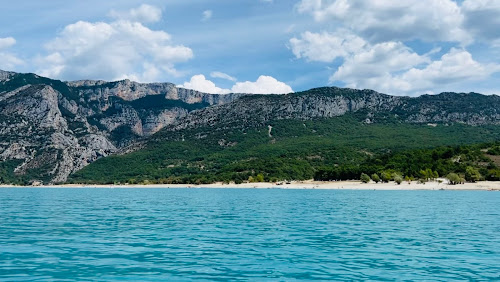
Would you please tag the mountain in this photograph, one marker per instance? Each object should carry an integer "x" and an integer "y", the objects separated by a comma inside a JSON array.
[
  {"x": 329, "y": 102},
  {"x": 296, "y": 135},
  {"x": 131, "y": 131},
  {"x": 50, "y": 128}
]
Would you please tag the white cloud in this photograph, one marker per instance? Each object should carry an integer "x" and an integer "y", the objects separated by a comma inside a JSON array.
[
  {"x": 482, "y": 19},
  {"x": 368, "y": 46},
  {"x": 200, "y": 83},
  {"x": 390, "y": 67},
  {"x": 378, "y": 60},
  {"x": 388, "y": 20},
  {"x": 362, "y": 61},
  {"x": 263, "y": 85},
  {"x": 326, "y": 47},
  {"x": 8, "y": 61},
  {"x": 218, "y": 74},
  {"x": 454, "y": 67},
  {"x": 144, "y": 14},
  {"x": 7, "y": 42},
  {"x": 206, "y": 15},
  {"x": 120, "y": 49}
]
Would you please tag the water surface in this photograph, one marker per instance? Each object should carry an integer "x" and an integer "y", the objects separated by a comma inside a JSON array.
[{"x": 229, "y": 234}]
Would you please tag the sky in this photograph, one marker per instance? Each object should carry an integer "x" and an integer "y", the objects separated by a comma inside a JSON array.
[{"x": 409, "y": 47}]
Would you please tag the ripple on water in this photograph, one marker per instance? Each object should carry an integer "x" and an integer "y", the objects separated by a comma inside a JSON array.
[{"x": 158, "y": 234}]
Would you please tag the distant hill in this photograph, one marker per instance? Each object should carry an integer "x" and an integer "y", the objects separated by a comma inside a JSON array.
[
  {"x": 296, "y": 135},
  {"x": 133, "y": 132},
  {"x": 50, "y": 128}
]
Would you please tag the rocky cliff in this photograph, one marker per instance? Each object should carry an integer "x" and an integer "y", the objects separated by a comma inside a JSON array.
[
  {"x": 472, "y": 109},
  {"x": 50, "y": 128}
]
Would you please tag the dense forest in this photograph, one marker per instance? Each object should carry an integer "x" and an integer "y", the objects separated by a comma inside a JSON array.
[
  {"x": 324, "y": 149},
  {"x": 470, "y": 162}
]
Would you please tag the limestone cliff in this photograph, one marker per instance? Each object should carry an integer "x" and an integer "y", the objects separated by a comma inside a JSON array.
[
  {"x": 50, "y": 128},
  {"x": 472, "y": 109}
]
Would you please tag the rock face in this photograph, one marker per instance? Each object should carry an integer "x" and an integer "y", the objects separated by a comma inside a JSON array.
[
  {"x": 5, "y": 75},
  {"x": 51, "y": 128},
  {"x": 472, "y": 109}
]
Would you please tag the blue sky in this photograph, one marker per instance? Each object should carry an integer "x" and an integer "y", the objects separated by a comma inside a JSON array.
[{"x": 260, "y": 46}]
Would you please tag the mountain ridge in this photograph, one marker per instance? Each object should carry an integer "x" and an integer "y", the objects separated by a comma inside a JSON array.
[
  {"x": 54, "y": 128},
  {"x": 64, "y": 126}
]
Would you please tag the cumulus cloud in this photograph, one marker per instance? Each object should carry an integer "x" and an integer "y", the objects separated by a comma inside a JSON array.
[
  {"x": 8, "y": 61},
  {"x": 7, "y": 42},
  {"x": 362, "y": 61},
  {"x": 482, "y": 19},
  {"x": 218, "y": 74},
  {"x": 144, "y": 14},
  {"x": 387, "y": 20},
  {"x": 206, "y": 15},
  {"x": 326, "y": 47},
  {"x": 378, "y": 60},
  {"x": 369, "y": 42},
  {"x": 115, "y": 50},
  {"x": 452, "y": 68},
  {"x": 263, "y": 85},
  {"x": 200, "y": 83},
  {"x": 390, "y": 67}
]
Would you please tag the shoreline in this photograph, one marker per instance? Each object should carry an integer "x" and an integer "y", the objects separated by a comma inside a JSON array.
[{"x": 318, "y": 185}]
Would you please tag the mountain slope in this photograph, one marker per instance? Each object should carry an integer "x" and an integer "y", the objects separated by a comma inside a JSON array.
[
  {"x": 291, "y": 149},
  {"x": 51, "y": 128},
  {"x": 292, "y": 136},
  {"x": 327, "y": 102}
]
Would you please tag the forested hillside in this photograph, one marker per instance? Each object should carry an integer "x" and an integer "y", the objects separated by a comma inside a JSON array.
[{"x": 285, "y": 149}]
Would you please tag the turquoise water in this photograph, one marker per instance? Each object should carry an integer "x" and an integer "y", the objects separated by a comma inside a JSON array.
[{"x": 230, "y": 234}]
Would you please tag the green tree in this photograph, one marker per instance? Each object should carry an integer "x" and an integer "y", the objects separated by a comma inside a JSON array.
[
  {"x": 398, "y": 179},
  {"x": 385, "y": 176},
  {"x": 493, "y": 174},
  {"x": 408, "y": 179},
  {"x": 375, "y": 178},
  {"x": 454, "y": 179},
  {"x": 495, "y": 150},
  {"x": 472, "y": 174},
  {"x": 259, "y": 178},
  {"x": 365, "y": 178}
]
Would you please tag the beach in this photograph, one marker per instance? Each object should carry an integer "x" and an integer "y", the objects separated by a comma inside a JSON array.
[{"x": 309, "y": 184}]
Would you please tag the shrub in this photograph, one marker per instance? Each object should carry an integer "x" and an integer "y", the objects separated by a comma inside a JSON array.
[
  {"x": 494, "y": 150},
  {"x": 259, "y": 178},
  {"x": 365, "y": 178},
  {"x": 385, "y": 176},
  {"x": 472, "y": 174},
  {"x": 375, "y": 178},
  {"x": 408, "y": 179},
  {"x": 454, "y": 179},
  {"x": 398, "y": 179},
  {"x": 493, "y": 174}
]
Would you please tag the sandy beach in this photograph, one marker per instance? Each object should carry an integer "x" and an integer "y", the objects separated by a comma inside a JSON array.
[{"x": 334, "y": 185}]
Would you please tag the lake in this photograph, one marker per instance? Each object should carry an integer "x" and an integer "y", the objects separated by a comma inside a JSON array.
[{"x": 248, "y": 234}]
